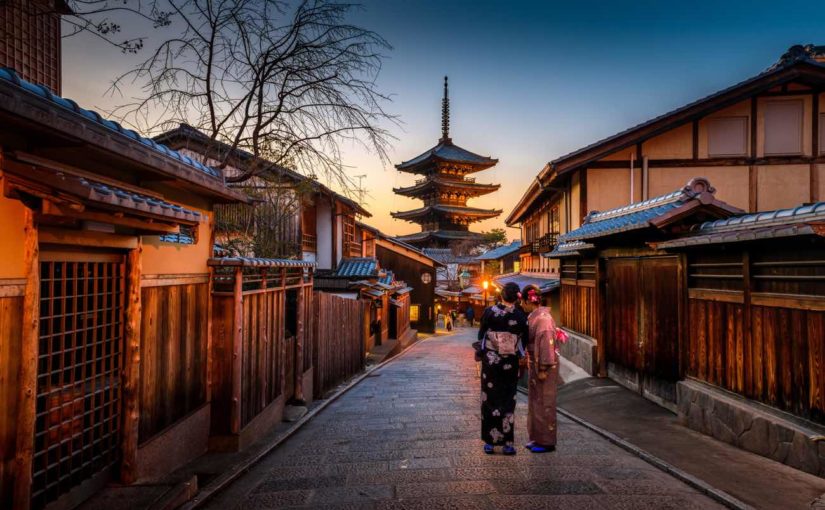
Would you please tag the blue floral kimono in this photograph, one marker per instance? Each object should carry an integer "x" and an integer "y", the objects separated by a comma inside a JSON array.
[{"x": 499, "y": 373}]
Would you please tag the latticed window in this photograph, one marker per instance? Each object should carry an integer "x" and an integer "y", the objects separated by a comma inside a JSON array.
[{"x": 30, "y": 41}]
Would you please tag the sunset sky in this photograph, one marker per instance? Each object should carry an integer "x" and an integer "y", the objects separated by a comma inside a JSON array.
[{"x": 529, "y": 81}]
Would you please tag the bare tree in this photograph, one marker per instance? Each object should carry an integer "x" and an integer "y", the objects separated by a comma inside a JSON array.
[{"x": 289, "y": 82}]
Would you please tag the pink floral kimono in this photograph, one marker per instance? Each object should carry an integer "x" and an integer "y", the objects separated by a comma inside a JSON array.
[{"x": 542, "y": 348}]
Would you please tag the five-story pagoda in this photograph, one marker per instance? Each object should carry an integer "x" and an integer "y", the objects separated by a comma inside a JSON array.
[{"x": 445, "y": 189}]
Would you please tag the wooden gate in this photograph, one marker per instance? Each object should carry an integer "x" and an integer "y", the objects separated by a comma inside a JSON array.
[
  {"x": 78, "y": 371},
  {"x": 644, "y": 312}
]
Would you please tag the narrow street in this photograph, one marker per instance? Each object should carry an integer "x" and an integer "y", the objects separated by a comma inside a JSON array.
[{"x": 407, "y": 437}]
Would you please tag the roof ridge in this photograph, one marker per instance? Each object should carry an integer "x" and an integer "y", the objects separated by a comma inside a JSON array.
[
  {"x": 799, "y": 213},
  {"x": 693, "y": 188}
]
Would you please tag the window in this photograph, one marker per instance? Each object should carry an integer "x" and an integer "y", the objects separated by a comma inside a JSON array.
[
  {"x": 516, "y": 266},
  {"x": 414, "y": 313},
  {"x": 783, "y": 127},
  {"x": 728, "y": 136}
]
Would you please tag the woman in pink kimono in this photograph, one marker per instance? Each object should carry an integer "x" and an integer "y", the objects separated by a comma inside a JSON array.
[{"x": 543, "y": 372}]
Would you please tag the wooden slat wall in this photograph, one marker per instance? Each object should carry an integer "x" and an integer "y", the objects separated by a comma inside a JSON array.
[
  {"x": 578, "y": 309},
  {"x": 173, "y": 355},
  {"x": 783, "y": 364},
  {"x": 402, "y": 316},
  {"x": 11, "y": 324},
  {"x": 263, "y": 351},
  {"x": 309, "y": 331},
  {"x": 339, "y": 339},
  {"x": 758, "y": 327}
]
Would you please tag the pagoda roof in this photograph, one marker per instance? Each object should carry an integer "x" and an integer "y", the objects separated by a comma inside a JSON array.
[
  {"x": 447, "y": 152},
  {"x": 435, "y": 182},
  {"x": 447, "y": 209},
  {"x": 440, "y": 235}
]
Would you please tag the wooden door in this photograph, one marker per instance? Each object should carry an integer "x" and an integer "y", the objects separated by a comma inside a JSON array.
[
  {"x": 659, "y": 317},
  {"x": 623, "y": 303},
  {"x": 77, "y": 431}
]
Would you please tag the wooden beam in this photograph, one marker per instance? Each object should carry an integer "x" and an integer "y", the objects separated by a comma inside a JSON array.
[
  {"x": 27, "y": 375},
  {"x": 88, "y": 238},
  {"x": 753, "y": 188},
  {"x": 112, "y": 218},
  {"x": 753, "y": 127},
  {"x": 131, "y": 367},
  {"x": 695, "y": 139}
]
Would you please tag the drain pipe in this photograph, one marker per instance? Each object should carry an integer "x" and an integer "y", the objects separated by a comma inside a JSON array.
[{"x": 632, "y": 164}]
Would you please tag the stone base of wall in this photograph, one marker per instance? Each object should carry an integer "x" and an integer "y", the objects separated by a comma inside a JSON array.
[
  {"x": 751, "y": 426},
  {"x": 658, "y": 391},
  {"x": 581, "y": 351}
]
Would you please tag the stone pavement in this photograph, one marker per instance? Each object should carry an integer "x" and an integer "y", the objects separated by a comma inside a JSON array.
[{"x": 408, "y": 437}]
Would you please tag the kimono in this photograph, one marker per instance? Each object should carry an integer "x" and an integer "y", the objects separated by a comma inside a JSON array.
[
  {"x": 499, "y": 373},
  {"x": 542, "y": 348}
]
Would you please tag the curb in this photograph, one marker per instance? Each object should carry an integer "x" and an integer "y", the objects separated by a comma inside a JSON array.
[
  {"x": 705, "y": 488},
  {"x": 225, "y": 479}
]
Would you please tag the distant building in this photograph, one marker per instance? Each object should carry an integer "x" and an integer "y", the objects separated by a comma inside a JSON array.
[
  {"x": 501, "y": 260},
  {"x": 445, "y": 189}
]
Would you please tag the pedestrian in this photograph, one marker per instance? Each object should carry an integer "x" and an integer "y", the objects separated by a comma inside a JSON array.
[
  {"x": 470, "y": 314},
  {"x": 543, "y": 371},
  {"x": 448, "y": 321},
  {"x": 501, "y": 335}
]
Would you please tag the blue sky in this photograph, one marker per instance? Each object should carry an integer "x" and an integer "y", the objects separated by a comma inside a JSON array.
[{"x": 530, "y": 81}]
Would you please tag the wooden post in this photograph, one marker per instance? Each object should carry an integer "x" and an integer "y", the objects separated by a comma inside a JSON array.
[
  {"x": 131, "y": 367},
  {"x": 27, "y": 395},
  {"x": 237, "y": 352},
  {"x": 299, "y": 347}
]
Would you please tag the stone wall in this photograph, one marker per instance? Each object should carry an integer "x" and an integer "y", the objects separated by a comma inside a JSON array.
[
  {"x": 581, "y": 351},
  {"x": 751, "y": 426}
]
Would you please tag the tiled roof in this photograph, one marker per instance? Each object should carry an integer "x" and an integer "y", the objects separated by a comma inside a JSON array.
[
  {"x": 454, "y": 209},
  {"x": 257, "y": 262},
  {"x": 501, "y": 251},
  {"x": 641, "y": 214},
  {"x": 447, "y": 235},
  {"x": 447, "y": 151},
  {"x": 357, "y": 267},
  {"x": 437, "y": 182},
  {"x": 387, "y": 279},
  {"x": 10, "y": 76},
  {"x": 568, "y": 249},
  {"x": 774, "y": 69},
  {"x": 189, "y": 133},
  {"x": 521, "y": 279},
  {"x": 446, "y": 256},
  {"x": 752, "y": 227}
]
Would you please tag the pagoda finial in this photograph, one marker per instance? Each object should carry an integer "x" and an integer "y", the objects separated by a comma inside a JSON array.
[{"x": 445, "y": 114}]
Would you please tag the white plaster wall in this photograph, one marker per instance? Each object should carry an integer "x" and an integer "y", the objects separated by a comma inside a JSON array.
[{"x": 323, "y": 226}]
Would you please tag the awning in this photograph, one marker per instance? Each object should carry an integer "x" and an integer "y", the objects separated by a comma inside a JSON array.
[
  {"x": 396, "y": 302},
  {"x": 373, "y": 293},
  {"x": 402, "y": 290}
]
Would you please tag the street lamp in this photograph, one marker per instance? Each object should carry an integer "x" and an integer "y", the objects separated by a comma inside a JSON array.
[{"x": 485, "y": 284}]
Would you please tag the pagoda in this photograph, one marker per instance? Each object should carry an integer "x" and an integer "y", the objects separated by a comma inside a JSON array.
[{"x": 445, "y": 188}]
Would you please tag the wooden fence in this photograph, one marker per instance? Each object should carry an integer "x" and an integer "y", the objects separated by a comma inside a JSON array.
[
  {"x": 339, "y": 335},
  {"x": 757, "y": 326},
  {"x": 579, "y": 305},
  {"x": 259, "y": 312}
]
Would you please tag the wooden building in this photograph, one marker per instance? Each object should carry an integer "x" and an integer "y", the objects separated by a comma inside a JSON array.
[
  {"x": 760, "y": 142},
  {"x": 501, "y": 260},
  {"x": 445, "y": 189},
  {"x": 104, "y": 300},
  {"x": 410, "y": 265},
  {"x": 300, "y": 217},
  {"x": 715, "y": 315}
]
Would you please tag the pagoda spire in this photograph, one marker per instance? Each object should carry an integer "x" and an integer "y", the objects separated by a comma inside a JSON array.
[{"x": 445, "y": 115}]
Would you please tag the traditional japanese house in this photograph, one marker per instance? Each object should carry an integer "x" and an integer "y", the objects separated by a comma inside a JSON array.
[
  {"x": 411, "y": 266},
  {"x": 624, "y": 296},
  {"x": 104, "y": 300},
  {"x": 760, "y": 142},
  {"x": 445, "y": 189},
  {"x": 501, "y": 260},
  {"x": 296, "y": 216},
  {"x": 751, "y": 356},
  {"x": 717, "y": 317}
]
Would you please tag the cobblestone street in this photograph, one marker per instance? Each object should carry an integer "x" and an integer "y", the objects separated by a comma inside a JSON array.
[{"x": 408, "y": 437}]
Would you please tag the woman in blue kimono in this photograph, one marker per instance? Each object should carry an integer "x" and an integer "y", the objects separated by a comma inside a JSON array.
[{"x": 501, "y": 335}]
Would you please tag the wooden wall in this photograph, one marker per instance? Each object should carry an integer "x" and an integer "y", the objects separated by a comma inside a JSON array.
[
  {"x": 339, "y": 339},
  {"x": 579, "y": 304},
  {"x": 173, "y": 350},
  {"x": 11, "y": 324},
  {"x": 410, "y": 270},
  {"x": 757, "y": 325}
]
